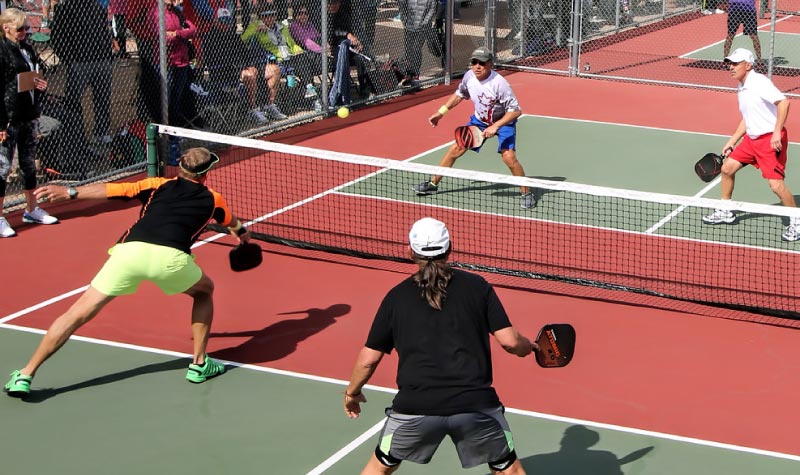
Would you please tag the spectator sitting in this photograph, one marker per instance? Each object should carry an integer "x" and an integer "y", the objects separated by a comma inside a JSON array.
[
  {"x": 272, "y": 45},
  {"x": 308, "y": 37},
  {"x": 225, "y": 65},
  {"x": 340, "y": 40}
]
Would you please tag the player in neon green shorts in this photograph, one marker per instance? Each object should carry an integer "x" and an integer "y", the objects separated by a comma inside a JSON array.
[{"x": 157, "y": 248}]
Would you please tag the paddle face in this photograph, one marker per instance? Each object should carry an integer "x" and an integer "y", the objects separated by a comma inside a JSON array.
[
  {"x": 708, "y": 167},
  {"x": 468, "y": 136},
  {"x": 556, "y": 345},
  {"x": 245, "y": 256}
]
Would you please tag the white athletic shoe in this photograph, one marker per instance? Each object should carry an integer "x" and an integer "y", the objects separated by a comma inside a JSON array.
[
  {"x": 5, "y": 229},
  {"x": 720, "y": 216},
  {"x": 38, "y": 216}
]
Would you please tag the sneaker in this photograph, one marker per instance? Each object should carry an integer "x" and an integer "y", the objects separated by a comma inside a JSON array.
[
  {"x": 791, "y": 233},
  {"x": 258, "y": 116},
  {"x": 528, "y": 200},
  {"x": 200, "y": 373},
  {"x": 5, "y": 229},
  {"x": 720, "y": 216},
  {"x": 18, "y": 385},
  {"x": 719, "y": 11},
  {"x": 198, "y": 89},
  {"x": 426, "y": 188},
  {"x": 707, "y": 12},
  {"x": 38, "y": 216},
  {"x": 274, "y": 113}
]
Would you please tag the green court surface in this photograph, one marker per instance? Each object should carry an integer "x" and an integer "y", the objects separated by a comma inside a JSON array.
[
  {"x": 611, "y": 155},
  {"x": 126, "y": 411},
  {"x": 787, "y": 48}
]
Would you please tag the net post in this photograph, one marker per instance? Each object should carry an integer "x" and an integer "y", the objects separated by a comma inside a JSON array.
[{"x": 154, "y": 167}]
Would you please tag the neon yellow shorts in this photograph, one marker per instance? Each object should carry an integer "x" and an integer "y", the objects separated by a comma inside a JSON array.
[{"x": 173, "y": 271}]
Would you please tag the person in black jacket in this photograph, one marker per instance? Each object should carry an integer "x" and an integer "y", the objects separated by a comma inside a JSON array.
[
  {"x": 19, "y": 114},
  {"x": 82, "y": 41}
]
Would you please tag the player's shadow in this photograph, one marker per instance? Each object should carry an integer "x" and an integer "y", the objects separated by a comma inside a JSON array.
[
  {"x": 501, "y": 189},
  {"x": 784, "y": 220},
  {"x": 575, "y": 457},
  {"x": 281, "y": 338},
  {"x": 41, "y": 395}
]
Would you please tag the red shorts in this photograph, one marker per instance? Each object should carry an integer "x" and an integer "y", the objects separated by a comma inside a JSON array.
[{"x": 759, "y": 153}]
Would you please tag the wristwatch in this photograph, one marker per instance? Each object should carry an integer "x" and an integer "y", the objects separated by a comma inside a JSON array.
[{"x": 72, "y": 192}]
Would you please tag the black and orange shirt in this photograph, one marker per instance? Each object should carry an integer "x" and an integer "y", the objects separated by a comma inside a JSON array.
[{"x": 174, "y": 210}]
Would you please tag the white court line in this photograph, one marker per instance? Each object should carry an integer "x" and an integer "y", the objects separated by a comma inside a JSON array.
[
  {"x": 340, "y": 382},
  {"x": 680, "y": 209},
  {"x": 344, "y": 451}
]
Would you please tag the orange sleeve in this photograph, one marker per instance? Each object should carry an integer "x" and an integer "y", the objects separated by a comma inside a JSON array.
[
  {"x": 222, "y": 213},
  {"x": 132, "y": 189}
]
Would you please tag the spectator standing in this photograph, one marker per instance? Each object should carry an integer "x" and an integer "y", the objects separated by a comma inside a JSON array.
[
  {"x": 179, "y": 32},
  {"x": 19, "y": 114},
  {"x": 417, "y": 17},
  {"x": 119, "y": 30},
  {"x": 83, "y": 43}
]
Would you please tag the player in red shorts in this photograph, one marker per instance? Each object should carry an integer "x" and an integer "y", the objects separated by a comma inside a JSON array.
[{"x": 764, "y": 140}]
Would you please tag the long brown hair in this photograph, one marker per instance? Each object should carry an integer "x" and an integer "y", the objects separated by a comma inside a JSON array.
[{"x": 432, "y": 277}]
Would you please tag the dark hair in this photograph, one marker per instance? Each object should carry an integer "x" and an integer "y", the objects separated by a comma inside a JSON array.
[{"x": 432, "y": 277}]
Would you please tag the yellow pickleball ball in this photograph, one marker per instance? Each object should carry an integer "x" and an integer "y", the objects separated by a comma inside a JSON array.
[{"x": 343, "y": 112}]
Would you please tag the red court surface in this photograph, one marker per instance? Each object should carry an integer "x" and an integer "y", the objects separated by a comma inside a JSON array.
[{"x": 636, "y": 365}]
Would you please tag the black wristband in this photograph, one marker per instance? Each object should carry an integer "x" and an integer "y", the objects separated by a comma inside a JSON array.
[{"x": 241, "y": 231}]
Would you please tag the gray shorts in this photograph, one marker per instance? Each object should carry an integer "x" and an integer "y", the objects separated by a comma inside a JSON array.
[{"x": 480, "y": 437}]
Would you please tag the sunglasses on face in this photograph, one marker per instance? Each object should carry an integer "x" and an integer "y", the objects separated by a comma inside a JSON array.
[{"x": 475, "y": 62}]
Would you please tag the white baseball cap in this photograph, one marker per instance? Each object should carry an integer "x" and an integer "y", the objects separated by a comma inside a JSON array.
[
  {"x": 739, "y": 55},
  {"x": 429, "y": 237}
]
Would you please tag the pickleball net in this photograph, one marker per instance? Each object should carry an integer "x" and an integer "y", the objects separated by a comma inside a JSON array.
[{"x": 625, "y": 241}]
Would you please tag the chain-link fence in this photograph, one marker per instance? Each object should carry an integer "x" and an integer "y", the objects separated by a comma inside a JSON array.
[
  {"x": 239, "y": 67},
  {"x": 677, "y": 42},
  {"x": 248, "y": 67}
]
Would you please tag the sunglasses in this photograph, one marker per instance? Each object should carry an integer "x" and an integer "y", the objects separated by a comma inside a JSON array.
[
  {"x": 475, "y": 61},
  {"x": 24, "y": 28}
]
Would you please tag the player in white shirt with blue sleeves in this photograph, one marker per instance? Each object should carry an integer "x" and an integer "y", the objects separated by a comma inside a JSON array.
[{"x": 496, "y": 113}]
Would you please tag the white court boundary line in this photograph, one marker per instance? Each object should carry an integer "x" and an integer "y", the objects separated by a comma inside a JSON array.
[{"x": 361, "y": 438}]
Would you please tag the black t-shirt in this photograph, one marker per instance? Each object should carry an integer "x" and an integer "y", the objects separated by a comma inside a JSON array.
[{"x": 445, "y": 364}]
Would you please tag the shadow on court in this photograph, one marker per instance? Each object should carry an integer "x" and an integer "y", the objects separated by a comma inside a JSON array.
[
  {"x": 41, "y": 395},
  {"x": 279, "y": 339},
  {"x": 575, "y": 457},
  {"x": 501, "y": 189}
]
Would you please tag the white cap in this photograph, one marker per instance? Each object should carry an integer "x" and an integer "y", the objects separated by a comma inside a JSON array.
[
  {"x": 429, "y": 237},
  {"x": 739, "y": 55}
]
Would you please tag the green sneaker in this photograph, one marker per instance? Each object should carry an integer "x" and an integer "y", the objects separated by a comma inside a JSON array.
[
  {"x": 19, "y": 385},
  {"x": 209, "y": 369}
]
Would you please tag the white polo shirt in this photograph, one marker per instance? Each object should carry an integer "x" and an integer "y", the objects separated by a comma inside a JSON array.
[{"x": 757, "y": 98}]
